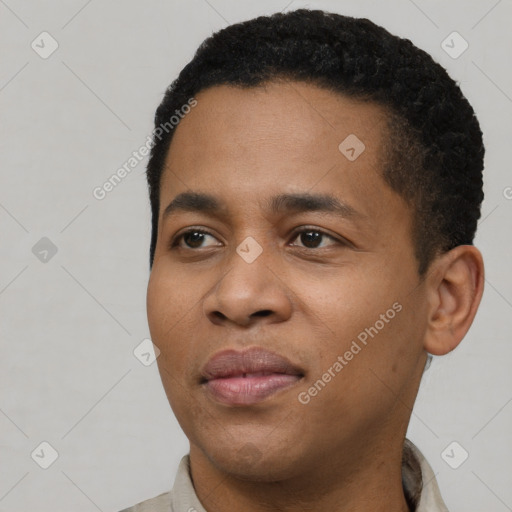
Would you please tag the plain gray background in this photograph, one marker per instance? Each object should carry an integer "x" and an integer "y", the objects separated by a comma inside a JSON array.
[{"x": 69, "y": 326}]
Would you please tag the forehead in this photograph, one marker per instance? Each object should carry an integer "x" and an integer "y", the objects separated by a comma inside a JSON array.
[
  {"x": 251, "y": 143},
  {"x": 289, "y": 123}
]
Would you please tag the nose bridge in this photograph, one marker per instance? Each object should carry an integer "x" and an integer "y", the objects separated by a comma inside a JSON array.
[{"x": 250, "y": 288}]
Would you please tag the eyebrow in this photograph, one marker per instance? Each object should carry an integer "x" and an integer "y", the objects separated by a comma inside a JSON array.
[{"x": 289, "y": 203}]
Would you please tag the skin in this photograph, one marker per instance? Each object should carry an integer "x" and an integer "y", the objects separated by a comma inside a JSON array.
[{"x": 304, "y": 299}]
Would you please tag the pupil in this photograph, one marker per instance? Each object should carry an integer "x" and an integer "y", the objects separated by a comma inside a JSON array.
[
  {"x": 195, "y": 236},
  {"x": 310, "y": 236}
]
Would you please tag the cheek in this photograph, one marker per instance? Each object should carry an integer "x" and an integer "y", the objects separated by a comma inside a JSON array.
[
  {"x": 168, "y": 298},
  {"x": 158, "y": 300},
  {"x": 369, "y": 319},
  {"x": 168, "y": 310},
  {"x": 349, "y": 303},
  {"x": 169, "y": 306}
]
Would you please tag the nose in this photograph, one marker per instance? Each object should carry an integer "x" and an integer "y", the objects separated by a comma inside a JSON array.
[{"x": 248, "y": 293}]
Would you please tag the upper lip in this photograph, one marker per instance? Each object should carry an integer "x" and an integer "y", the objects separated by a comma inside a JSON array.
[{"x": 233, "y": 363}]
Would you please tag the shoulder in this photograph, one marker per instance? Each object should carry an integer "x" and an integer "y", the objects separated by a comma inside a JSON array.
[
  {"x": 160, "y": 503},
  {"x": 181, "y": 497}
]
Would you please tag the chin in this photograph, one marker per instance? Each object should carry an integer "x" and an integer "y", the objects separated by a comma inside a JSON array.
[{"x": 255, "y": 461}]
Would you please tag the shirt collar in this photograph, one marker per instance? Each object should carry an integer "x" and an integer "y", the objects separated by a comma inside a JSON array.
[{"x": 184, "y": 498}]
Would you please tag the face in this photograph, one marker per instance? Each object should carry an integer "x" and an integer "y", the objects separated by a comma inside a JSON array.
[{"x": 296, "y": 275}]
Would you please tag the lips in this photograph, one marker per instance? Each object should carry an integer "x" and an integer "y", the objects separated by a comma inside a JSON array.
[{"x": 248, "y": 377}]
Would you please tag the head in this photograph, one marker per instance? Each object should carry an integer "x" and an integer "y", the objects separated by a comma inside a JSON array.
[{"x": 319, "y": 121}]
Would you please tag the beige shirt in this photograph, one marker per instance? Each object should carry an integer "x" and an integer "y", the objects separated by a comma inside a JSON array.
[{"x": 183, "y": 498}]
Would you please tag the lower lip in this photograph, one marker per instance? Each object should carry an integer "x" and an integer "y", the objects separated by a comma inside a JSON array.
[{"x": 249, "y": 390}]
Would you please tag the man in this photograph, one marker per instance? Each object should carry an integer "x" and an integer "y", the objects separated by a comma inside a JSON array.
[{"x": 313, "y": 217}]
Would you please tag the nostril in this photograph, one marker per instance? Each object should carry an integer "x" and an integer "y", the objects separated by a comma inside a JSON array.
[{"x": 264, "y": 312}]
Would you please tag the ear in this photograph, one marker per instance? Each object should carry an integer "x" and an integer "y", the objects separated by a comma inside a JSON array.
[{"x": 456, "y": 285}]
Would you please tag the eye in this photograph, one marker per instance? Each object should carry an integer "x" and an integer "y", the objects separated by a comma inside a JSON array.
[
  {"x": 311, "y": 237},
  {"x": 193, "y": 238}
]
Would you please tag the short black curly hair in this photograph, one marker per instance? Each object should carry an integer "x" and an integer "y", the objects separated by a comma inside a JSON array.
[{"x": 434, "y": 150}]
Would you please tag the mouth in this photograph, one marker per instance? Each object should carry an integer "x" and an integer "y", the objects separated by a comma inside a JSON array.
[{"x": 249, "y": 377}]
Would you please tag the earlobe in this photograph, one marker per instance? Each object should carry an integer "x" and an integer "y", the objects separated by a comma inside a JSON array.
[{"x": 455, "y": 294}]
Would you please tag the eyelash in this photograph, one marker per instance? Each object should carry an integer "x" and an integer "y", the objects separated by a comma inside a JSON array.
[{"x": 175, "y": 241}]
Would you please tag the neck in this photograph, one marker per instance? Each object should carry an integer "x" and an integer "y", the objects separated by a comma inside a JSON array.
[{"x": 360, "y": 479}]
